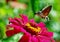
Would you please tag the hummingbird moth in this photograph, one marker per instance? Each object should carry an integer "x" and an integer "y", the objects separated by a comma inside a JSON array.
[{"x": 44, "y": 13}]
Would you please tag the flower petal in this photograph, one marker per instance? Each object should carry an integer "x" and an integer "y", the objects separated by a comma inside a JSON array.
[
  {"x": 33, "y": 23},
  {"x": 41, "y": 24},
  {"x": 19, "y": 28},
  {"x": 13, "y": 21},
  {"x": 43, "y": 38},
  {"x": 24, "y": 18},
  {"x": 26, "y": 38},
  {"x": 19, "y": 21},
  {"x": 34, "y": 39},
  {"x": 10, "y": 33}
]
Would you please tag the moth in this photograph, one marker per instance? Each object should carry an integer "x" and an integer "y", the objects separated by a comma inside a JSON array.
[{"x": 45, "y": 12}]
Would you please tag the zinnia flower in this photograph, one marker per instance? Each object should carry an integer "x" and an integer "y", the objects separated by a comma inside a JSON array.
[
  {"x": 16, "y": 4},
  {"x": 10, "y": 0},
  {"x": 33, "y": 32}
]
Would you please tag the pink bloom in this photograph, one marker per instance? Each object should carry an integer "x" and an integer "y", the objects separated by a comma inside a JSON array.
[
  {"x": 33, "y": 32},
  {"x": 18, "y": 5},
  {"x": 10, "y": 0}
]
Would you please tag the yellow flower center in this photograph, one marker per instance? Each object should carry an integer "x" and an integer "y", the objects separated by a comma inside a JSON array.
[{"x": 31, "y": 29}]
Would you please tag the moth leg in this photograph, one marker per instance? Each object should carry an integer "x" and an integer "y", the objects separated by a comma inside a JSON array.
[{"x": 47, "y": 18}]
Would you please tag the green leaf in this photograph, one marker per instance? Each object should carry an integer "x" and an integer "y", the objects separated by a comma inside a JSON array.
[
  {"x": 2, "y": 30},
  {"x": 14, "y": 38}
]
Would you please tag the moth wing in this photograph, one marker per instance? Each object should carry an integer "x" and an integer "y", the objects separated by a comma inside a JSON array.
[{"x": 46, "y": 10}]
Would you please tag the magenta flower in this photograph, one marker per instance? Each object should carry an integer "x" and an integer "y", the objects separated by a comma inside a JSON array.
[{"x": 33, "y": 32}]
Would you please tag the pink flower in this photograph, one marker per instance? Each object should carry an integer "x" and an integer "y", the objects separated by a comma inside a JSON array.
[
  {"x": 33, "y": 32},
  {"x": 10, "y": 0},
  {"x": 18, "y": 5}
]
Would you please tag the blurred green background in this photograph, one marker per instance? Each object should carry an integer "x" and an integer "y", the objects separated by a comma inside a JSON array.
[{"x": 29, "y": 7}]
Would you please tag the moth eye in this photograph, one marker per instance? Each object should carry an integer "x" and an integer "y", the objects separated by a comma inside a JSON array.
[{"x": 47, "y": 18}]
